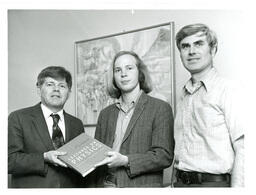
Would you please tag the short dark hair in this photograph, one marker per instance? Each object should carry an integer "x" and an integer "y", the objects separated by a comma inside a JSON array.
[
  {"x": 195, "y": 28},
  {"x": 144, "y": 76},
  {"x": 56, "y": 72}
]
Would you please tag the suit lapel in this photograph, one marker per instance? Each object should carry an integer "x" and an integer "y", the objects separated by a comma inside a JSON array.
[
  {"x": 112, "y": 127},
  {"x": 41, "y": 127},
  {"x": 137, "y": 112},
  {"x": 68, "y": 127}
]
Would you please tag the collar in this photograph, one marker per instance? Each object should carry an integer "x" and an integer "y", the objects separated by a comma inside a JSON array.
[
  {"x": 120, "y": 103},
  {"x": 208, "y": 81},
  {"x": 47, "y": 112}
]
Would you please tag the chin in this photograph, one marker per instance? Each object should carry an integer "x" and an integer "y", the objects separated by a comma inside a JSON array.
[
  {"x": 56, "y": 105},
  {"x": 127, "y": 90}
]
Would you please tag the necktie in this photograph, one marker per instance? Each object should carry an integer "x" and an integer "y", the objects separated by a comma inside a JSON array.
[{"x": 57, "y": 137}]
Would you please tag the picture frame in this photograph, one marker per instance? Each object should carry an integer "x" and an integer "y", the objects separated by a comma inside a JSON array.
[{"x": 93, "y": 57}]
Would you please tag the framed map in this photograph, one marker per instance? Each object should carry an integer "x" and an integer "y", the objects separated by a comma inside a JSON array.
[{"x": 93, "y": 57}]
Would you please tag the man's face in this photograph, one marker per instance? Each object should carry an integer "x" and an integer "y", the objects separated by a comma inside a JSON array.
[
  {"x": 126, "y": 73},
  {"x": 195, "y": 53},
  {"x": 54, "y": 93}
]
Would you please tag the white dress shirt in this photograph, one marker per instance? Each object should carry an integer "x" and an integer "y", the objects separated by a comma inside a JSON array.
[{"x": 47, "y": 115}]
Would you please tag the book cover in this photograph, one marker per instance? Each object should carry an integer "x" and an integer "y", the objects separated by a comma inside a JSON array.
[{"x": 83, "y": 152}]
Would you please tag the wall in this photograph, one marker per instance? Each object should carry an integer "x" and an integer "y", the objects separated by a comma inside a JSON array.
[{"x": 37, "y": 39}]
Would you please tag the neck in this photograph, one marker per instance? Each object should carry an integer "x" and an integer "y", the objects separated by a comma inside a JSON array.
[
  {"x": 55, "y": 110},
  {"x": 129, "y": 96},
  {"x": 199, "y": 75}
]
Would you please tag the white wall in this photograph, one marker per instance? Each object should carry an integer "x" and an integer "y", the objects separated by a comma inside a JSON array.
[
  {"x": 37, "y": 39},
  {"x": 41, "y": 38}
]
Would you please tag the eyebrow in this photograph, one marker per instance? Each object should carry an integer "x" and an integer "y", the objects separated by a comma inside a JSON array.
[
  {"x": 199, "y": 41},
  {"x": 184, "y": 44},
  {"x": 57, "y": 83},
  {"x": 125, "y": 65}
]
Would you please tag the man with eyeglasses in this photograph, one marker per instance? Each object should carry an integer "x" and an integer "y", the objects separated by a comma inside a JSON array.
[{"x": 35, "y": 133}]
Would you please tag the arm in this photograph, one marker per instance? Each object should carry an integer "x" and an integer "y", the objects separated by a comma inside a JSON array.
[
  {"x": 160, "y": 154},
  {"x": 113, "y": 159},
  {"x": 237, "y": 175},
  {"x": 51, "y": 157},
  {"x": 20, "y": 162},
  {"x": 25, "y": 156},
  {"x": 234, "y": 116}
]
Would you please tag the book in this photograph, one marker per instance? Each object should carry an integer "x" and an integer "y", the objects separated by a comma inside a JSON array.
[{"x": 83, "y": 153}]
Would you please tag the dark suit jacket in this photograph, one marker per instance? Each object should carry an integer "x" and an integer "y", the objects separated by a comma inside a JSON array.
[
  {"x": 28, "y": 139},
  {"x": 148, "y": 142}
]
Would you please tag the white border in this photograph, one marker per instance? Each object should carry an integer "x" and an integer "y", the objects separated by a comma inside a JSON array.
[{"x": 249, "y": 37}]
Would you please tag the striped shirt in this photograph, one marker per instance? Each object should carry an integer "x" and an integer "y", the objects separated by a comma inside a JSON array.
[{"x": 206, "y": 124}]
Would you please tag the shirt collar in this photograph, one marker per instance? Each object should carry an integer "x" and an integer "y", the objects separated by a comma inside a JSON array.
[
  {"x": 47, "y": 112},
  {"x": 207, "y": 81},
  {"x": 120, "y": 103}
]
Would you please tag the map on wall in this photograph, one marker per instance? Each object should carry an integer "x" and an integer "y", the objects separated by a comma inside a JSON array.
[{"x": 94, "y": 57}]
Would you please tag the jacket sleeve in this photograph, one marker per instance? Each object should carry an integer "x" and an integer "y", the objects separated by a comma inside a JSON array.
[
  {"x": 160, "y": 154},
  {"x": 20, "y": 162}
]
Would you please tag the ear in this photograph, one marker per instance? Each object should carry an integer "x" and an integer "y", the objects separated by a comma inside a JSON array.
[
  {"x": 69, "y": 92},
  {"x": 39, "y": 91},
  {"x": 213, "y": 51}
]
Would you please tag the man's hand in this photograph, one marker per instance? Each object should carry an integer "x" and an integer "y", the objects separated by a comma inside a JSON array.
[
  {"x": 51, "y": 157},
  {"x": 114, "y": 159}
]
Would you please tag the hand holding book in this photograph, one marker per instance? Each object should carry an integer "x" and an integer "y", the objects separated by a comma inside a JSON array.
[
  {"x": 52, "y": 158},
  {"x": 83, "y": 153},
  {"x": 114, "y": 159}
]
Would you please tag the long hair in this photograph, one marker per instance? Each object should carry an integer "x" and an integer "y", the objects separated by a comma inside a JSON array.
[{"x": 144, "y": 77}]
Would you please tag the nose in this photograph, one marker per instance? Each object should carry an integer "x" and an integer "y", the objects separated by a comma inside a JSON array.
[
  {"x": 192, "y": 50},
  {"x": 56, "y": 88},
  {"x": 123, "y": 73}
]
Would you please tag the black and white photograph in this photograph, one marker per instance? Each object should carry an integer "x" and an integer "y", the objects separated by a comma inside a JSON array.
[{"x": 167, "y": 90}]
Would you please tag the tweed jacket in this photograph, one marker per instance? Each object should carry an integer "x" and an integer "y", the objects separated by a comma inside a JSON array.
[
  {"x": 148, "y": 142},
  {"x": 28, "y": 139}
]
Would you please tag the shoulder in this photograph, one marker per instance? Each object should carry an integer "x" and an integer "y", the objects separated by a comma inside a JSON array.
[
  {"x": 156, "y": 100},
  {"x": 156, "y": 103},
  {"x": 227, "y": 86},
  {"x": 74, "y": 123},
  {"x": 108, "y": 109},
  {"x": 158, "y": 109},
  {"x": 73, "y": 118},
  {"x": 221, "y": 82},
  {"x": 25, "y": 111}
]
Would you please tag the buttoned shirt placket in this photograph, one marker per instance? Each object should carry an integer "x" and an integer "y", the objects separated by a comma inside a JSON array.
[{"x": 190, "y": 93}]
